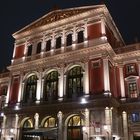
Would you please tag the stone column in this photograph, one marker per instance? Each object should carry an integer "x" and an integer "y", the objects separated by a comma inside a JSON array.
[
  {"x": 61, "y": 83},
  {"x": 60, "y": 125},
  {"x": 20, "y": 87},
  {"x": 108, "y": 123},
  {"x": 8, "y": 91},
  {"x": 38, "y": 91},
  {"x": 106, "y": 75},
  {"x": 122, "y": 82},
  {"x": 86, "y": 131},
  {"x": 3, "y": 128},
  {"x": 86, "y": 79},
  {"x": 16, "y": 127},
  {"x": 125, "y": 125},
  {"x": 36, "y": 117},
  {"x": 42, "y": 89},
  {"x": 65, "y": 84}
]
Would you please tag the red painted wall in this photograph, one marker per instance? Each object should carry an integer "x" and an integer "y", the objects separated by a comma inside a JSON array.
[
  {"x": 118, "y": 82},
  {"x": 94, "y": 31},
  {"x": 14, "y": 90},
  {"x": 96, "y": 77},
  {"x": 112, "y": 78},
  {"x": 19, "y": 52}
]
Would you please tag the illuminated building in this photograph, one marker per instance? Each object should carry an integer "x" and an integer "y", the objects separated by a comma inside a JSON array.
[{"x": 71, "y": 78}]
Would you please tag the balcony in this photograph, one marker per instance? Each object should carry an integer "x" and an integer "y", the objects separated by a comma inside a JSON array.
[
  {"x": 100, "y": 100},
  {"x": 61, "y": 50}
]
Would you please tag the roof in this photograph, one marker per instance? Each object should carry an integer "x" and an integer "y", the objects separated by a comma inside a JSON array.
[{"x": 57, "y": 15}]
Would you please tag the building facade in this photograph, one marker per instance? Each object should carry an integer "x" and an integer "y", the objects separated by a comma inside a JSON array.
[{"x": 71, "y": 78}]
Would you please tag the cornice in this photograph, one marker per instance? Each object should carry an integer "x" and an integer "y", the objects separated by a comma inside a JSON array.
[
  {"x": 64, "y": 58},
  {"x": 57, "y": 24}
]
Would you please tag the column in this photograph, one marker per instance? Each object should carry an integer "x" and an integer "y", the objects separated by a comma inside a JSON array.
[
  {"x": 139, "y": 68},
  {"x": 61, "y": 82},
  {"x": 16, "y": 127},
  {"x": 38, "y": 91},
  {"x": 42, "y": 89},
  {"x": 43, "y": 46},
  {"x": 53, "y": 44},
  {"x": 108, "y": 123},
  {"x": 74, "y": 36},
  {"x": 20, "y": 88},
  {"x": 125, "y": 125},
  {"x": 86, "y": 79},
  {"x": 103, "y": 27},
  {"x": 64, "y": 85},
  {"x": 85, "y": 32},
  {"x": 14, "y": 50},
  {"x": 3, "y": 128},
  {"x": 60, "y": 125},
  {"x": 122, "y": 82},
  {"x": 106, "y": 75},
  {"x": 8, "y": 91},
  {"x": 86, "y": 131},
  {"x": 36, "y": 117}
]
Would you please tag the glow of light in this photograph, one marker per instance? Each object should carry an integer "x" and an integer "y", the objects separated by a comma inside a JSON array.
[
  {"x": 84, "y": 128},
  {"x": 105, "y": 127},
  {"x": 83, "y": 101},
  {"x": 2, "y": 114},
  {"x": 98, "y": 138},
  {"x": 16, "y": 107},
  {"x": 11, "y": 130}
]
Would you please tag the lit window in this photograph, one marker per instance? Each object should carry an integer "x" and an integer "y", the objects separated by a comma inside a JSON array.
[
  {"x": 136, "y": 117},
  {"x": 51, "y": 86},
  {"x": 75, "y": 82},
  {"x": 130, "y": 68},
  {"x": 50, "y": 122},
  {"x": 133, "y": 90}
]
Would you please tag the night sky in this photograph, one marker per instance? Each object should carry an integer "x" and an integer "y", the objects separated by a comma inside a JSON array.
[{"x": 16, "y": 14}]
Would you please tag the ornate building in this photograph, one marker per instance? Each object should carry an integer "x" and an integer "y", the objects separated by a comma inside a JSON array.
[{"x": 71, "y": 78}]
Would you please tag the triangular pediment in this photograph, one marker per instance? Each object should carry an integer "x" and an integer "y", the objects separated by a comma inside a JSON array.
[{"x": 56, "y": 16}]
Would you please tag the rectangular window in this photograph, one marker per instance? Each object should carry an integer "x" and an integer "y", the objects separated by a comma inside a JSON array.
[
  {"x": 130, "y": 68},
  {"x": 136, "y": 117},
  {"x": 133, "y": 90}
]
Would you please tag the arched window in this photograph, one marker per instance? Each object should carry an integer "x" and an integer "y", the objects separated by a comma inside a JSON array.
[
  {"x": 50, "y": 122},
  {"x": 38, "y": 50},
  {"x": 75, "y": 82},
  {"x": 48, "y": 45},
  {"x": 75, "y": 125},
  {"x": 69, "y": 40},
  {"x": 30, "y": 89},
  {"x": 51, "y": 86},
  {"x": 29, "y": 53},
  {"x": 58, "y": 42},
  {"x": 28, "y": 124},
  {"x": 80, "y": 37}
]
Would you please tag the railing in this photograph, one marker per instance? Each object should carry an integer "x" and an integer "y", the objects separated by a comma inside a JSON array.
[
  {"x": 133, "y": 47},
  {"x": 89, "y": 43}
]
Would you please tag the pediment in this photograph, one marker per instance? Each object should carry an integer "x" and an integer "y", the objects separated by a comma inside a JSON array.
[{"x": 56, "y": 16}]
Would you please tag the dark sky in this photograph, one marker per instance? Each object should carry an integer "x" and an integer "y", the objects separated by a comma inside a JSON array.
[{"x": 15, "y": 14}]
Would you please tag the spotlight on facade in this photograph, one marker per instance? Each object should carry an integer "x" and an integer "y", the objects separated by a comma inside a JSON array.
[
  {"x": 17, "y": 107},
  {"x": 84, "y": 128},
  {"x": 98, "y": 138},
  {"x": 11, "y": 130},
  {"x": 1, "y": 114},
  {"x": 83, "y": 101},
  {"x": 107, "y": 93}
]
